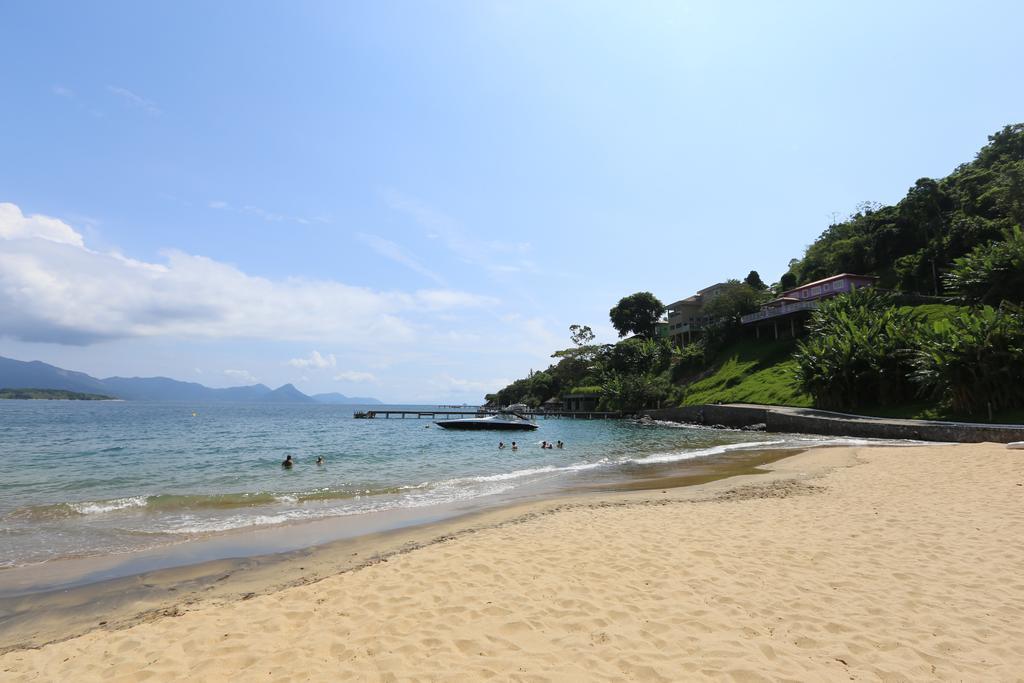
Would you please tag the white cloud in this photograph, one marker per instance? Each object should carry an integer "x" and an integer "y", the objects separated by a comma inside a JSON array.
[
  {"x": 269, "y": 216},
  {"x": 54, "y": 289},
  {"x": 134, "y": 99},
  {"x": 314, "y": 360},
  {"x": 392, "y": 251},
  {"x": 241, "y": 376},
  {"x": 355, "y": 376},
  {"x": 15, "y": 225},
  {"x": 487, "y": 254},
  {"x": 61, "y": 91}
]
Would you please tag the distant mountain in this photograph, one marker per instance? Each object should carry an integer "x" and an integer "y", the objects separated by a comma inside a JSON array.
[
  {"x": 166, "y": 389},
  {"x": 286, "y": 394},
  {"x": 342, "y": 399},
  {"x": 16, "y": 374}
]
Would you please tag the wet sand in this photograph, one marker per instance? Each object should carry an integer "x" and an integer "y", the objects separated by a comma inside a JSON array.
[{"x": 891, "y": 563}]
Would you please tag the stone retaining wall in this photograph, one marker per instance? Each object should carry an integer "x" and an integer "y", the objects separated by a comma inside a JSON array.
[{"x": 807, "y": 421}]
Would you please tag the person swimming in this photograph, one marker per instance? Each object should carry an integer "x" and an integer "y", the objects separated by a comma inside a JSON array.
[
  {"x": 515, "y": 447},
  {"x": 287, "y": 462},
  {"x": 559, "y": 444},
  {"x": 501, "y": 445},
  {"x": 319, "y": 460}
]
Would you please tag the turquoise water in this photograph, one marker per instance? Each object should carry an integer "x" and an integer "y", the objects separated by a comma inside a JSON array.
[{"x": 91, "y": 478}]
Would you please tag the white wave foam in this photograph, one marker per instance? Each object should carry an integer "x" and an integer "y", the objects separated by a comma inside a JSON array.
[
  {"x": 90, "y": 507},
  {"x": 676, "y": 456}
]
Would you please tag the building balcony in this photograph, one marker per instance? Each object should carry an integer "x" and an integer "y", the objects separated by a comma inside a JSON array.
[{"x": 778, "y": 311}]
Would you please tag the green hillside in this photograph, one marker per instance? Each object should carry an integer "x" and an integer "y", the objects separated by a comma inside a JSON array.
[
  {"x": 749, "y": 371},
  {"x": 51, "y": 394},
  {"x": 753, "y": 371}
]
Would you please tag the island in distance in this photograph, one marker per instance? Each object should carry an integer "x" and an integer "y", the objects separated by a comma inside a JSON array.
[
  {"x": 16, "y": 374},
  {"x": 51, "y": 395}
]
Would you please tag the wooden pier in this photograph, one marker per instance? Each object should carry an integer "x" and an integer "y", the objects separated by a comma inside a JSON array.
[{"x": 447, "y": 414}]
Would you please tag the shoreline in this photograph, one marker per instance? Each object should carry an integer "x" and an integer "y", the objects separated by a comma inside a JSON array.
[
  {"x": 62, "y": 573},
  {"x": 69, "y": 608},
  {"x": 893, "y": 563}
]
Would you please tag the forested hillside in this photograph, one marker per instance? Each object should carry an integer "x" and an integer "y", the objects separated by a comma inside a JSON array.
[
  {"x": 912, "y": 244},
  {"x": 958, "y": 237}
]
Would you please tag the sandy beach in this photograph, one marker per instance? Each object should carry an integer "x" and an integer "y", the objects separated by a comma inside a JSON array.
[{"x": 840, "y": 564}]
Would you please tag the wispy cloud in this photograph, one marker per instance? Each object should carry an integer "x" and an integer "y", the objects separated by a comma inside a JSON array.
[
  {"x": 135, "y": 100},
  {"x": 69, "y": 94},
  {"x": 491, "y": 255},
  {"x": 264, "y": 214},
  {"x": 314, "y": 360},
  {"x": 394, "y": 252},
  {"x": 355, "y": 376}
]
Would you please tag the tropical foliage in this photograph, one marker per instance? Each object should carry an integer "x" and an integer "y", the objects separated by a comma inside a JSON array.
[
  {"x": 992, "y": 272},
  {"x": 857, "y": 352},
  {"x": 864, "y": 352},
  {"x": 974, "y": 361},
  {"x": 910, "y": 245}
]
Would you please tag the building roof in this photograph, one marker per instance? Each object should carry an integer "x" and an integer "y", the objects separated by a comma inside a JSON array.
[
  {"x": 717, "y": 284},
  {"x": 829, "y": 279},
  {"x": 695, "y": 299},
  {"x": 688, "y": 301}
]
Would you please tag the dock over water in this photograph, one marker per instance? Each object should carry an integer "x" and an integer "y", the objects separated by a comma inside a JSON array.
[{"x": 446, "y": 414}]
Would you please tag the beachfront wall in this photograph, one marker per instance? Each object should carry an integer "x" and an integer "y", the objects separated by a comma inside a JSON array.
[{"x": 809, "y": 421}]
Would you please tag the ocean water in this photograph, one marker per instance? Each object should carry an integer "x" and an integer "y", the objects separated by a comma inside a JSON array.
[{"x": 85, "y": 478}]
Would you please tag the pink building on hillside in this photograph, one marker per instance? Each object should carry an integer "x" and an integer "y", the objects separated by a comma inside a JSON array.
[{"x": 794, "y": 304}]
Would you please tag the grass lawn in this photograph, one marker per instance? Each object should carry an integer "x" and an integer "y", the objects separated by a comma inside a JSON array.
[{"x": 750, "y": 371}]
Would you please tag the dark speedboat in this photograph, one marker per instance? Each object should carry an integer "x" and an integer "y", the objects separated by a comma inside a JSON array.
[{"x": 505, "y": 422}]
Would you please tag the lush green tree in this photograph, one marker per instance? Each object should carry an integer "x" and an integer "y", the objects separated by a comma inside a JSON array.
[
  {"x": 858, "y": 352},
  {"x": 637, "y": 314},
  {"x": 991, "y": 273},
  {"x": 631, "y": 393},
  {"x": 787, "y": 282},
  {"x": 974, "y": 361},
  {"x": 637, "y": 356},
  {"x": 581, "y": 335},
  {"x": 689, "y": 360},
  {"x": 753, "y": 279}
]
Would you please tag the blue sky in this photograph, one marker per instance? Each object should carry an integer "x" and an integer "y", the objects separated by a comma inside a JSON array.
[{"x": 415, "y": 200}]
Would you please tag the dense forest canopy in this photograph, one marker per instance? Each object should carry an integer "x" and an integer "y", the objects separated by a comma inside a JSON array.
[{"x": 913, "y": 244}]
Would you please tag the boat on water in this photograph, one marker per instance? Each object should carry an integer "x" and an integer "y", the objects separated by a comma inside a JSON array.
[{"x": 509, "y": 419}]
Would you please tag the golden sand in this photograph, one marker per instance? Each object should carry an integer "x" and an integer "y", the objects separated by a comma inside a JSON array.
[{"x": 844, "y": 564}]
